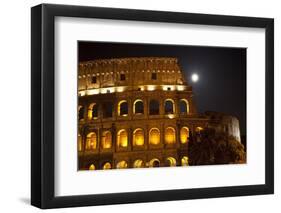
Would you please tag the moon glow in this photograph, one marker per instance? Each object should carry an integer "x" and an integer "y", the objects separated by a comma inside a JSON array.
[{"x": 194, "y": 77}]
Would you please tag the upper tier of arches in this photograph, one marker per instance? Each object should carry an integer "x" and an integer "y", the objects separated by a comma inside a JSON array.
[{"x": 138, "y": 107}]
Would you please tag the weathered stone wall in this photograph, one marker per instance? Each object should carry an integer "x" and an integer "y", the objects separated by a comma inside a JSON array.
[
  {"x": 137, "y": 71},
  {"x": 225, "y": 123}
]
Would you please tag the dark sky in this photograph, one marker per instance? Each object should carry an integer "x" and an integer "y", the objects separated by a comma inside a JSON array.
[{"x": 222, "y": 71}]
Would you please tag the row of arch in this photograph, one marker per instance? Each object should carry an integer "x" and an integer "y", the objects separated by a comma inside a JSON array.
[
  {"x": 154, "y": 138},
  {"x": 138, "y": 108},
  {"x": 139, "y": 163}
]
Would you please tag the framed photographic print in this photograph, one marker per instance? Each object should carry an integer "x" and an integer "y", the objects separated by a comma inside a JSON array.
[{"x": 139, "y": 106}]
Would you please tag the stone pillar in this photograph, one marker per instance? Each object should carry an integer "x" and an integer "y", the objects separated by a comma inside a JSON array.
[
  {"x": 85, "y": 113},
  {"x": 162, "y": 135},
  {"x": 130, "y": 108},
  {"x": 83, "y": 133},
  {"x": 177, "y": 107},
  {"x": 114, "y": 137},
  {"x": 115, "y": 108},
  {"x": 100, "y": 112},
  {"x": 178, "y": 128},
  {"x": 176, "y": 110},
  {"x": 146, "y": 107},
  {"x": 130, "y": 139},
  {"x": 99, "y": 137},
  {"x": 161, "y": 106},
  {"x": 147, "y": 137}
]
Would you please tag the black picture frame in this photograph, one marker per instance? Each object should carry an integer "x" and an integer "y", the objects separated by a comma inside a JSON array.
[{"x": 43, "y": 117}]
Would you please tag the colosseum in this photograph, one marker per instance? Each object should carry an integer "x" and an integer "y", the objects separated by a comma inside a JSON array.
[{"x": 138, "y": 112}]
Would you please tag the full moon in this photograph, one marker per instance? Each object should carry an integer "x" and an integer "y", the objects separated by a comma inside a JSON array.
[{"x": 194, "y": 77}]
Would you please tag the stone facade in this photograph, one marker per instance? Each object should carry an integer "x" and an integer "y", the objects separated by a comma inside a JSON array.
[
  {"x": 135, "y": 112},
  {"x": 224, "y": 123}
]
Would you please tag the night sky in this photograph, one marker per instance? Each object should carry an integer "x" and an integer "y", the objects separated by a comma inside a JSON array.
[{"x": 222, "y": 71}]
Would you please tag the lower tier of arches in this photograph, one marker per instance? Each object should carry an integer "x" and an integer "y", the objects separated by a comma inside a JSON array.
[{"x": 127, "y": 160}]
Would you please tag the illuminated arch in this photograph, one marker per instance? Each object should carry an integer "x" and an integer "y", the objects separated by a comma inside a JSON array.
[
  {"x": 122, "y": 138},
  {"x": 123, "y": 108},
  {"x": 171, "y": 161},
  {"x": 184, "y": 134},
  {"x": 138, "y": 163},
  {"x": 169, "y": 106},
  {"x": 138, "y": 137},
  {"x": 107, "y": 165},
  {"x": 138, "y": 107},
  {"x": 93, "y": 111},
  {"x": 170, "y": 135},
  {"x": 80, "y": 112},
  {"x": 106, "y": 140},
  {"x": 154, "y": 107},
  {"x": 184, "y": 106},
  {"x": 154, "y": 162},
  {"x": 91, "y": 141},
  {"x": 154, "y": 136},
  {"x": 92, "y": 167},
  {"x": 79, "y": 142},
  {"x": 184, "y": 161},
  {"x": 198, "y": 129},
  {"x": 122, "y": 165}
]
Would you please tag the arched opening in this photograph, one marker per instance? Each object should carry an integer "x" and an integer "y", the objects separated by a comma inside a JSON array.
[
  {"x": 170, "y": 135},
  {"x": 154, "y": 107},
  {"x": 107, "y": 110},
  {"x": 198, "y": 129},
  {"x": 122, "y": 77},
  {"x": 138, "y": 137},
  {"x": 184, "y": 161},
  {"x": 184, "y": 135},
  {"x": 107, "y": 165},
  {"x": 123, "y": 108},
  {"x": 122, "y": 138},
  {"x": 154, "y": 136},
  {"x": 92, "y": 167},
  {"x": 184, "y": 106},
  {"x": 80, "y": 112},
  {"x": 79, "y": 143},
  {"x": 106, "y": 140},
  {"x": 154, "y": 162},
  {"x": 138, "y": 163},
  {"x": 169, "y": 106},
  {"x": 93, "y": 111},
  {"x": 138, "y": 107},
  {"x": 171, "y": 161},
  {"x": 91, "y": 141},
  {"x": 122, "y": 165}
]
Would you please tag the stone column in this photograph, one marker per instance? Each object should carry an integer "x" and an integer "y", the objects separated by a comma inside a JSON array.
[
  {"x": 162, "y": 135},
  {"x": 146, "y": 107},
  {"x": 147, "y": 137},
  {"x": 100, "y": 113},
  {"x": 130, "y": 138},
  {"x": 99, "y": 141},
  {"x": 85, "y": 113},
  {"x": 114, "y": 137},
  {"x": 161, "y": 106},
  {"x": 130, "y": 107},
  {"x": 178, "y": 128}
]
